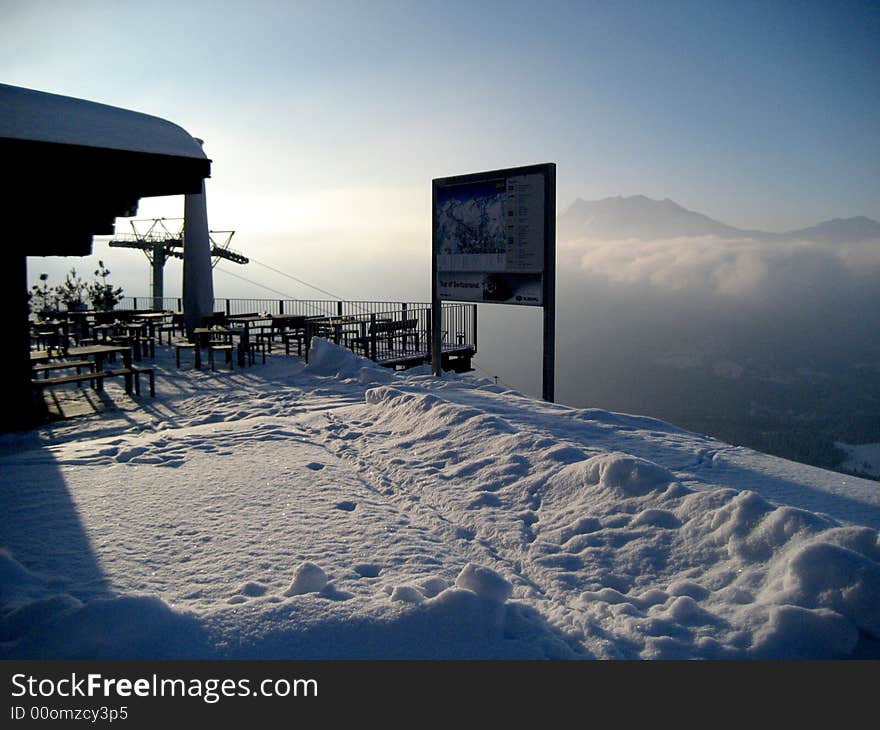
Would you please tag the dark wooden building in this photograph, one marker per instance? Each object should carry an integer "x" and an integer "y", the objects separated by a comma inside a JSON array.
[{"x": 70, "y": 168}]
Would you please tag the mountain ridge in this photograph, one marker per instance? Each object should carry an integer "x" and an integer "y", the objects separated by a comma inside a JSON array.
[{"x": 641, "y": 217}]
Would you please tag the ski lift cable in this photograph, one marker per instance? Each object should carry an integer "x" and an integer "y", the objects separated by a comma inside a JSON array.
[
  {"x": 361, "y": 307},
  {"x": 297, "y": 279},
  {"x": 268, "y": 288}
]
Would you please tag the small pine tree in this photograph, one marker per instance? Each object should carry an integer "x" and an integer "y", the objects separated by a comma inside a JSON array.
[
  {"x": 42, "y": 297},
  {"x": 103, "y": 296},
  {"x": 72, "y": 290}
]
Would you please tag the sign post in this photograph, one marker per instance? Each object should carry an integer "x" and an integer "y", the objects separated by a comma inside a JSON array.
[{"x": 494, "y": 241}]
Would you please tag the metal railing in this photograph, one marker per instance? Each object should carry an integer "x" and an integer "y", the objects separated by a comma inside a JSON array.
[
  {"x": 169, "y": 304},
  {"x": 373, "y": 328},
  {"x": 399, "y": 336},
  {"x": 305, "y": 307}
]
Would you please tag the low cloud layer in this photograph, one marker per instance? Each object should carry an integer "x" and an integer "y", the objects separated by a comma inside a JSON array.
[
  {"x": 630, "y": 312},
  {"x": 728, "y": 269}
]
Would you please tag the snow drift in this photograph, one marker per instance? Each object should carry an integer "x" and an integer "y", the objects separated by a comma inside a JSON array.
[{"x": 341, "y": 510}]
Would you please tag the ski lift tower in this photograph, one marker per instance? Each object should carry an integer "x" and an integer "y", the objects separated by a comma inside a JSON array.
[{"x": 161, "y": 239}]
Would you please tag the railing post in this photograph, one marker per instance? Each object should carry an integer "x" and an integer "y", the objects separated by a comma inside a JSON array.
[
  {"x": 404, "y": 339},
  {"x": 339, "y": 308},
  {"x": 308, "y": 339},
  {"x": 179, "y": 304},
  {"x": 280, "y": 306},
  {"x": 228, "y": 307},
  {"x": 428, "y": 329},
  {"x": 373, "y": 336},
  {"x": 474, "y": 313}
]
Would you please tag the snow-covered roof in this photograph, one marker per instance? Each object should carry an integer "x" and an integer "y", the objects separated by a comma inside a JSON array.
[
  {"x": 37, "y": 116},
  {"x": 90, "y": 163}
]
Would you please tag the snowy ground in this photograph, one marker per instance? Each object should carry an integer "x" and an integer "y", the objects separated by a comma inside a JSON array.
[
  {"x": 340, "y": 510},
  {"x": 861, "y": 458}
]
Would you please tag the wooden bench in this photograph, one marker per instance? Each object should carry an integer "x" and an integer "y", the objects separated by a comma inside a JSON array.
[
  {"x": 388, "y": 331},
  {"x": 64, "y": 364},
  {"x": 224, "y": 347},
  {"x": 139, "y": 370},
  {"x": 297, "y": 337},
  {"x": 265, "y": 336},
  {"x": 140, "y": 345},
  {"x": 178, "y": 346},
  {"x": 172, "y": 328},
  {"x": 261, "y": 346},
  {"x": 96, "y": 379}
]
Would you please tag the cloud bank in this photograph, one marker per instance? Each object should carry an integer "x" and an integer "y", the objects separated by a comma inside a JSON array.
[{"x": 729, "y": 269}]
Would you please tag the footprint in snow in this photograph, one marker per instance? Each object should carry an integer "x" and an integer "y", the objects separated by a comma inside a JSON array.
[
  {"x": 346, "y": 506},
  {"x": 486, "y": 499},
  {"x": 315, "y": 466},
  {"x": 368, "y": 570},
  {"x": 332, "y": 593}
]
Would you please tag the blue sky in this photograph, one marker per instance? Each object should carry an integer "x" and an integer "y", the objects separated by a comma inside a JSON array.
[{"x": 327, "y": 121}]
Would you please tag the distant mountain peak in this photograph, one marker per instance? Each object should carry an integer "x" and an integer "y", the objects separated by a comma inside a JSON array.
[
  {"x": 636, "y": 216},
  {"x": 841, "y": 230}
]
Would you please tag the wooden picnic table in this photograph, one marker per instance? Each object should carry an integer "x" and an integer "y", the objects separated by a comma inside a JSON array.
[
  {"x": 216, "y": 338},
  {"x": 204, "y": 334},
  {"x": 152, "y": 320},
  {"x": 345, "y": 329},
  {"x": 288, "y": 321},
  {"x": 247, "y": 320},
  {"x": 103, "y": 331},
  {"x": 99, "y": 353},
  {"x": 152, "y": 315}
]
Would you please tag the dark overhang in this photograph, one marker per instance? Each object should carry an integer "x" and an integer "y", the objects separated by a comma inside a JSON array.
[{"x": 73, "y": 166}]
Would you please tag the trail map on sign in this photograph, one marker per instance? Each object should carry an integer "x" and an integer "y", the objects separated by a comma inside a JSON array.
[{"x": 491, "y": 225}]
